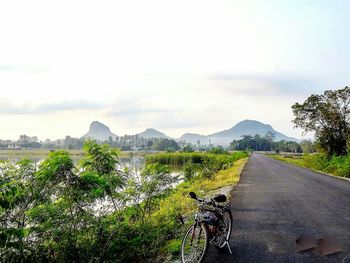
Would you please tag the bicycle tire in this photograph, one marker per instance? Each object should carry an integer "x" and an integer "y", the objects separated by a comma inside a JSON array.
[
  {"x": 228, "y": 234},
  {"x": 205, "y": 247}
]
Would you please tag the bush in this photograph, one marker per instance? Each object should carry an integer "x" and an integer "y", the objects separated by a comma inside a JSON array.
[
  {"x": 189, "y": 171},
  {"x": 174, "y": 247}
]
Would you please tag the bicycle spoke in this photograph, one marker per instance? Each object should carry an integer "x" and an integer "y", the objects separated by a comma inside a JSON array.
[{"x": 194, "y": 245}]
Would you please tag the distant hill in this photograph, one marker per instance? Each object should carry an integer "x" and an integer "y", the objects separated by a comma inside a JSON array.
[
  {"x": 247, "y": 127},
  {"x": 193, "y": 138},
  {"x": 152, "y": 133},
  {"x": 99, "y": 132}
]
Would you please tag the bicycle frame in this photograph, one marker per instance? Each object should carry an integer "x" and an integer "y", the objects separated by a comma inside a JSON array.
[{"x": 217, "y": 208}]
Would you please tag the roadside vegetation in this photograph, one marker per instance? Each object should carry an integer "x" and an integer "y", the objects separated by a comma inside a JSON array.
[
  {"x": 335, "y": 165},
  {"x": 56, "y": 212},
  {"x": 179, "y": 203},
  {"x": 328, "y": 116}
]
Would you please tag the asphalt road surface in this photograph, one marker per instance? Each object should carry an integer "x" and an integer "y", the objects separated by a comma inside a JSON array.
[{"x": 274, "y": 203}]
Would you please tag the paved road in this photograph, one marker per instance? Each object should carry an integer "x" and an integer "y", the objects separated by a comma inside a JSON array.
[{"x": 275, "y": 203}]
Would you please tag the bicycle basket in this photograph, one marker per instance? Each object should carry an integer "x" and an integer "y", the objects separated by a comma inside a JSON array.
[{"x": 208, "y": 217}]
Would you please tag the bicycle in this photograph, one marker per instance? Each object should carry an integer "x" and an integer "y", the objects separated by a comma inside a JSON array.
[{"x": 213, "y": 225}]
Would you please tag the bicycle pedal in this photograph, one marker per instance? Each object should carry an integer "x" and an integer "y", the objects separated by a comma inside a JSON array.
[{"x": 213, "y": 242}]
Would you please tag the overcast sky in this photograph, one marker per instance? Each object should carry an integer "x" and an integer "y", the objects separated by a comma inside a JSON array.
[{"x": 177, "y": 66}]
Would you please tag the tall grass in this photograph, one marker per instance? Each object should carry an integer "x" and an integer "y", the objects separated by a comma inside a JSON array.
[
  {"x": 180, "y": 159},
  {"x": 335, "y": 165}
]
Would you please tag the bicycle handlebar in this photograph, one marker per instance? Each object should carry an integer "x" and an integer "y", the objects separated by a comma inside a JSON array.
[
  {"x": 200, "y": 200},
  {"x": 211, "y": 202}
]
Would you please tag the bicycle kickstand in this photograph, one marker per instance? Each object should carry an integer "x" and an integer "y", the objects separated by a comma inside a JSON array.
[{"x": 228, "y": 246}]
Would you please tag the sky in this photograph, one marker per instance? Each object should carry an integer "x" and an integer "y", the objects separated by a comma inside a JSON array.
[{"x": 177, "y": 66}]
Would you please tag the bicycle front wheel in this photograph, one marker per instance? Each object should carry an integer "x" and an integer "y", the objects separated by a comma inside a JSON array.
[{"x": 194, "y": 244}]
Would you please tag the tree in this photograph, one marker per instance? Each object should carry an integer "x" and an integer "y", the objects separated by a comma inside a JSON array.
[
  {"x": 308, "y": 146},
  {"x": 102, "y": 160},
  {"x": 143, "y": 190},
  {"x": 188, "y": 148},
  {"x": 163, "y": 144},
  {"x": 218, "y": 150},
  {"x": 16, "y": 195},
  {"x": 328, "y": 115}
]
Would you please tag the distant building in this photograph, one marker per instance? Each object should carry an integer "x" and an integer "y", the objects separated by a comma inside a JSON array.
[
  {"x": 135, "y": 148},
  {"x": 13, "y": 147}
]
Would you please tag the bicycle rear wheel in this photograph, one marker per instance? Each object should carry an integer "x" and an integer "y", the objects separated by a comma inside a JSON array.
[
  {"x": 226, "y": 229},
  {"x": 194, "y": 244}
]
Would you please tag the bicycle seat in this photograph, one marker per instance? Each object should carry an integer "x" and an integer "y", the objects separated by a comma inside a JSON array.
[{"x": 220, "y": 198}]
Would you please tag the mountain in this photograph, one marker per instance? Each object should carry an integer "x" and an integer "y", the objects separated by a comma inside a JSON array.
[
  {"x": 99, "y": 132},
  {"x": 247, "y": 127},
  {"x": 193, "y": 138},
  {"x": 152, "y": 133}
]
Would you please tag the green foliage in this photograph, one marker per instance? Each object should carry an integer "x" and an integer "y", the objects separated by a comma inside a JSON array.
[
  {"x": 100, "y": 174},
  {"x": 328, "y": 115},
  {"x": 210, "y": 167},
  {"x": 174, "y": 159},
  {"x": 60, "y": 213},
  {"x": 308, "y": 147},
  {"x": 143, "y": 191},
  {"x": 99, "y": 158},
  {"x": 196, "y": 158},
  {"x": 164, "y": 144},
  {"x": 16, "y": 193},
  {"x": 218, "y": 150},
  {"x": 56, "y": 168},
  {"x": 179, "y": 203},
  {"x": 189, "y": 171},
  {"x": 207, "y": 164},
  {"x": 188, "y": 149},
  {"x": 339, "y": 165},
  {"x": 336, "y": 165},
  {"x": 174, "y": 247},
  {"x": 266, "y": 143}
]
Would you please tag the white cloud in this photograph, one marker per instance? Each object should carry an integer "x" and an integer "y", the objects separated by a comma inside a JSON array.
[{"x": 181, "y": 66}]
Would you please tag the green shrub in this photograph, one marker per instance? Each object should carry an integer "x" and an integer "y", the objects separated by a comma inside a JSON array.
[
  {"x": 189, "y": 171},
  {"x": 174, "y": 247}
]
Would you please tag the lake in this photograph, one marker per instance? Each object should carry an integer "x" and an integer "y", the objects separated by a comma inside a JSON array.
[{"x": 134, "y": 163}]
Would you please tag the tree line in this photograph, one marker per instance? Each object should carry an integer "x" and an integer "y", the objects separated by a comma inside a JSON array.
[
  {"x": 266, "y": 143},
  {"x": 125, "y": 143},
  {"x": 134, "y": 142}
]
